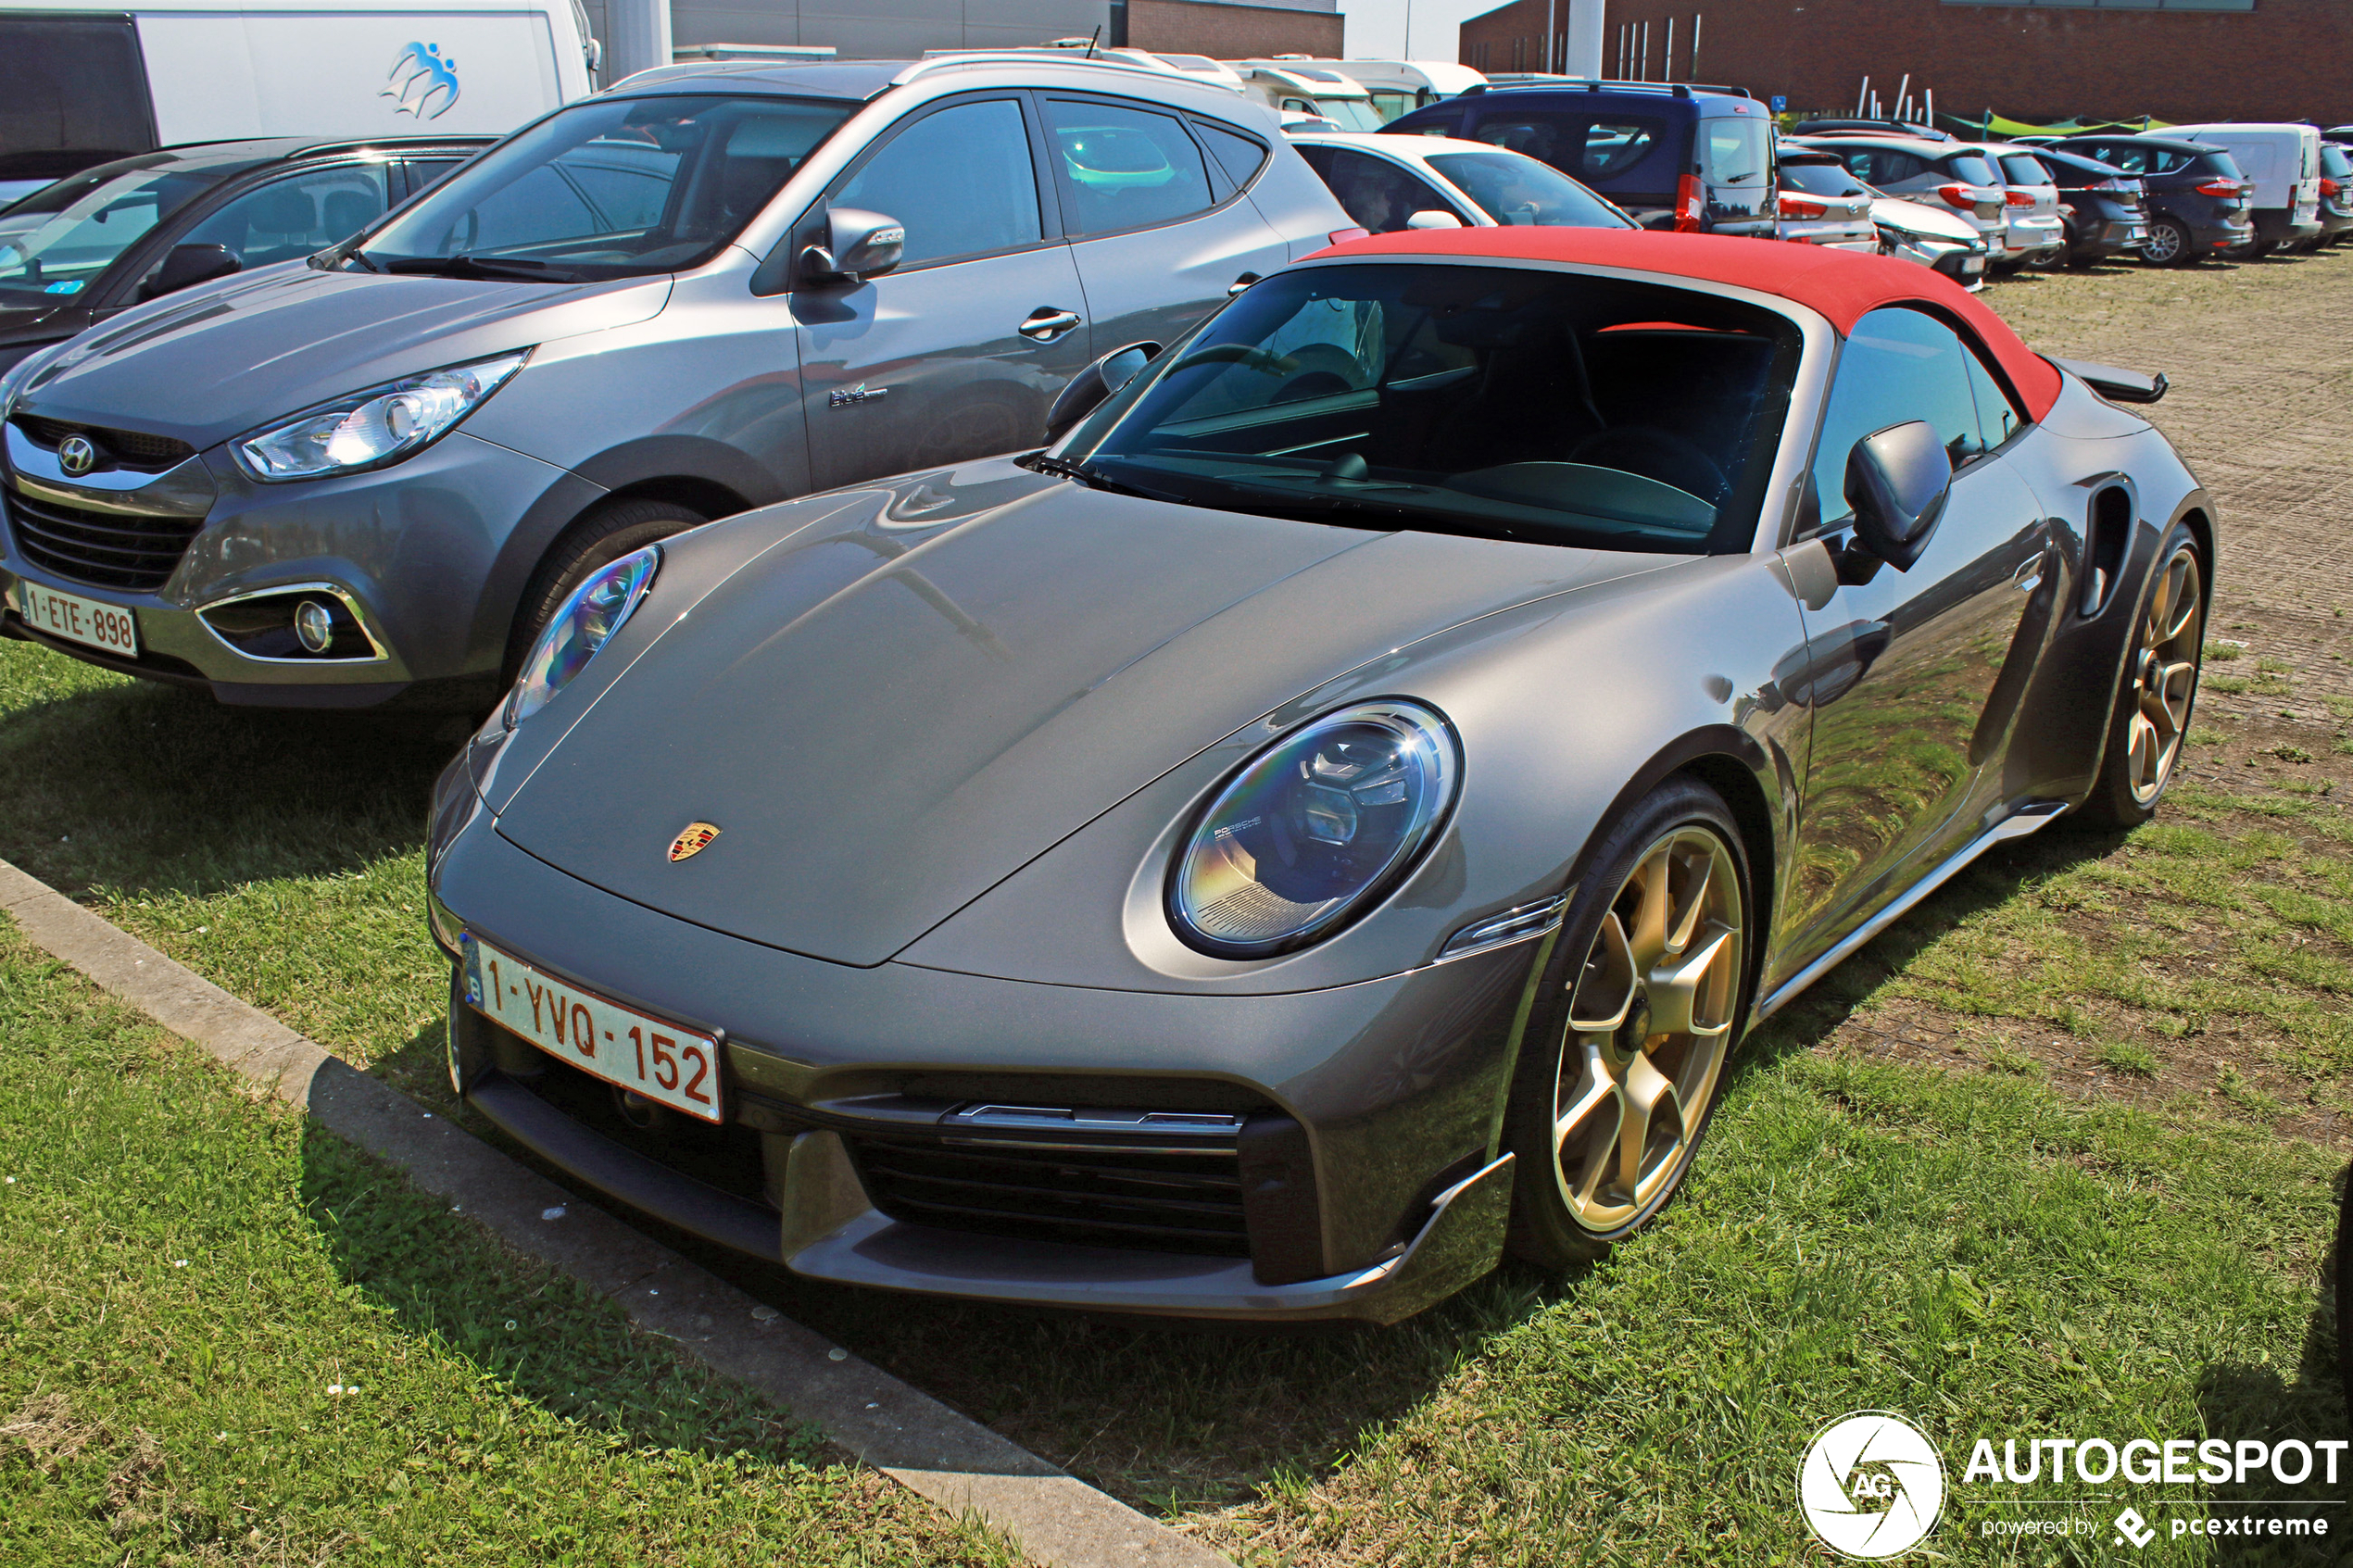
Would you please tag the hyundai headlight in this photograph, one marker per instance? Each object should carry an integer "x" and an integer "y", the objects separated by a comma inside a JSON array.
[
  {"x": 585, "y": 621},
  {"x": 1315, "y": 830},
  {"x": 377, "y": 425}
]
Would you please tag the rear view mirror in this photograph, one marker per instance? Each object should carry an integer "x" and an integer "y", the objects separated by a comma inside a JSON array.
[
  {"x": 190, "y": 265},
  {"x": 1897, "y": 480},
  {"x": 1433, "y": 219},
  {"x": 1090, "y": 387},
  {"x": 858, "y": 246}
]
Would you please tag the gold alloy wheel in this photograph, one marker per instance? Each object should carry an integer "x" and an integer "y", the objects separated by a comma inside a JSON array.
[
  {"x": 2164, "y": 676},
  {"x": 1650, "y": 1018}
]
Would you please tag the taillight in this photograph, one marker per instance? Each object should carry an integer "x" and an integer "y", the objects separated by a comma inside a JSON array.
[
  {"x": 1794, "y": 206},
  {"x": 2109, "y": 185},
  {"x": 1342, "y": 236},
  {"x": 1690, "y": 205},
  {"x": 1958, "y": 195},
  {"x": 2219, "y": 188},
  {"x": 2329, "y": 189},
  {"x": 2018, "y": 198}
]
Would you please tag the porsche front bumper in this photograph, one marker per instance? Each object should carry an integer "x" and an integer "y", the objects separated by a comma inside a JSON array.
[{"x": 1322, "y": 1154}]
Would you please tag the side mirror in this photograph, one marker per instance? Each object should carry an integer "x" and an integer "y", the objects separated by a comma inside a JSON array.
[
  {"x": 190, "y": 265},
  {"x": 1897, "y": 480},
  {"x": 1433, "y": 219},
  {"x": 858, "y": 246},
  {"x": 1090, "y": 387}
]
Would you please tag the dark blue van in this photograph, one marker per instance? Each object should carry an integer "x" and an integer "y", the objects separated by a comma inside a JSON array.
[{"x": 1695, "y": 159}]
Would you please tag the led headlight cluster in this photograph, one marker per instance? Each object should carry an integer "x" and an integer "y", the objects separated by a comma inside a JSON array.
[
  {"x": 1315, "y": 830},
  {"x": 582, "y": 625},
  {"x": 374, "y": 426}
]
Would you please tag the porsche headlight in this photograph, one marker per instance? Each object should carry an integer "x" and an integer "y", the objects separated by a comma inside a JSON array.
[
  {"x": 1314, "y": 829},
  {"x": 374, "y": 426},
  {"x": 585, "y": 623}
]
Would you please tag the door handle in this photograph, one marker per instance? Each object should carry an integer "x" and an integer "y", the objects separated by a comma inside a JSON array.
[
  {"x": 1046, "y": 323},
  {"x": 1241, "y": 284}
]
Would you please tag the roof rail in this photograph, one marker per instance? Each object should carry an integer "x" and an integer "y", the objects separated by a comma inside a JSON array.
[
  {"x": 1607, "y": 84},
  {"x": 408, "y": 142},
  {"x": 978, "y": 58}
]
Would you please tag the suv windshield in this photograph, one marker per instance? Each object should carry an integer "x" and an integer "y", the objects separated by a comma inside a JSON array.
[
  {"x": 1504, "y": 402},
  {"x": 616, "y": 188},
  {"x": 1512, "y": 189},
  {"x": 55, "y": 242}
]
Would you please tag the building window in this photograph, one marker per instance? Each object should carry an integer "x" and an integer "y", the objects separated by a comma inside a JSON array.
[{"x": 2118, "y": 5}]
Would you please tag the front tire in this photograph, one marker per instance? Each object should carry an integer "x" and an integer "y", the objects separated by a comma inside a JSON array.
[
  {"x": 2157, "y": 692},
  {"x": 1641, "y": 1008}
]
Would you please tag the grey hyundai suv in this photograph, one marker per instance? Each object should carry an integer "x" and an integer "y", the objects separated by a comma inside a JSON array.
[{"x": 367, "y": 477}]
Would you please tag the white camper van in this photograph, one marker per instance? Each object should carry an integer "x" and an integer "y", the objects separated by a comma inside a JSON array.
[
  {"x": 1402, "y": 86},
  {"x": 83, "y": 82},
  {"x": 1304, "y": 87},
  {"x": 2283, "y": 161}
]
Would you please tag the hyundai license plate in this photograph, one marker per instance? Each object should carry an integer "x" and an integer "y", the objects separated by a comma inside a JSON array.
[
  {"x": 646, "y": 1055},
  {"x": 103, "y": 627}
]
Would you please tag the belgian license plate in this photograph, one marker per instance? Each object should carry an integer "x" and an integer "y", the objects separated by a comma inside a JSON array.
[
  {"x": 105, "y": 627},
  {"x": 643, "y": 1054},
  {"x": 1972, "y": 264}
]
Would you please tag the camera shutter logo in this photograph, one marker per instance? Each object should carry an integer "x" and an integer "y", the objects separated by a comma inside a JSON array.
[
  {"x": 76, "y": 455},
  {"x": 1871, "y": 1485}
]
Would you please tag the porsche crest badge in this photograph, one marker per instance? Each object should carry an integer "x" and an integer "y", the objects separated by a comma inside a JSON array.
[{"x": 694, "y": 841}]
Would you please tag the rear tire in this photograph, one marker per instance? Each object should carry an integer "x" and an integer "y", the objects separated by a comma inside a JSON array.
[
  {"x": 599, "y": 537},
  {"x": 2157, "y": 692},
  {"x": 2168, "y": 245},
  {"x": 1631, "y": 1022}
]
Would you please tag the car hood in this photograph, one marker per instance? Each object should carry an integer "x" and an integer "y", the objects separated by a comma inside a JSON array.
[
  {"x": 262, "y": 345},
  {"x": 883, "y": 723}
]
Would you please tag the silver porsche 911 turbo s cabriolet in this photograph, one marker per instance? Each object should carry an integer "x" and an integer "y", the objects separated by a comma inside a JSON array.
[{"x": 1331, "y": 817}]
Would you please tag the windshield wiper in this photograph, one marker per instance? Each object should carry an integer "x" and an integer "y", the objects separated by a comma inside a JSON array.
[
  {"x": 1062, "y": 468},
  {"x": 465, "y": 266},
  {"x": 366, "y": 261}
]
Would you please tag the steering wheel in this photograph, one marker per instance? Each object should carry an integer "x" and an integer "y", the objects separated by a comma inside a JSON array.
[{"x": 1654, "y": 454}]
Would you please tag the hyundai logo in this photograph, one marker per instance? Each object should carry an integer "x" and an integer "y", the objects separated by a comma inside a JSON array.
[{"x": 76, "y": 455}]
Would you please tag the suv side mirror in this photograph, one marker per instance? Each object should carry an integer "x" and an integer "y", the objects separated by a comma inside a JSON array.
[
  {"x": 859, "y": 245},
  {"x": 1897, "y": 481},
  {"x": 1090, "y": 387},
  {"x": 190, "y": 265}
]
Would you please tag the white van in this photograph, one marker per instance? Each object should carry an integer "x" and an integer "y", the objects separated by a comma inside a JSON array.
[
  {"x": 1310, "y": 87},
  {"x": 82, "y": 82},
  {"x": 1402, "y": 86},
  {"x": 2283, "y": 162}
]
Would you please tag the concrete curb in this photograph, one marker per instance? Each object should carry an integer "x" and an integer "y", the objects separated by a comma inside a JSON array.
[{"x": 900, "y": 1430}]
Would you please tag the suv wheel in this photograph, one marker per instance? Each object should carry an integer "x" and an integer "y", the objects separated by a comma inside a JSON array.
[
  {"x": 599, "y": 537},
  {"x": 2168, "y": 244}
]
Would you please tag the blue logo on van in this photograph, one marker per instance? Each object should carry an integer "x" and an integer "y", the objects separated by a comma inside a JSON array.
[{"x": 421, "y": 82}]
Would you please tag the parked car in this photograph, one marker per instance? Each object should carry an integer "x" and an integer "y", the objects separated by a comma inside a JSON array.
[
  {"x": 1299, "y": 87},
  {"x": 2030, "y": 205},
  {"x": 2283, "y": 164},
  {"x": 1695, "y": 159},
  {"x": 2197, "y": 197},
  {"x": 99, "y": 242},
  {"x": 1935, "y": 237},
  {"x": 2103, "y": 210},
  {"x": 1820, "y": 203},
  {"x": 371, "y": 477},
  {"x": 1875, "y": 126},
  {"x": 1386, "y": 183},
  {"x": 2336, "y": 194},
  {"x": 1949, "y": 174},
  {"x": 1159, "y": 874},
  {"x": 1402, "y": 86},
  {"x": 85, "y": 83}
]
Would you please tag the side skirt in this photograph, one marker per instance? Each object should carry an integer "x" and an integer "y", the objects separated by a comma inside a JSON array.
[{"x": 2031, "y": 818}]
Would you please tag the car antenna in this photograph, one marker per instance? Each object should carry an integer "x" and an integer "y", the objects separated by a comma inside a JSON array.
[{"x": 1096, "y": 39}]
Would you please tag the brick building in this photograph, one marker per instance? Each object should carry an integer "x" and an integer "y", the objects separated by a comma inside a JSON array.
[{"x": 2177, "y": 60}]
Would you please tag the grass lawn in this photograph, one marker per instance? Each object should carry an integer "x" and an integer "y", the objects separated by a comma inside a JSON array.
[
  {"x": 2055, "y": 1157},
  {"x": 228, "y": 1338}
]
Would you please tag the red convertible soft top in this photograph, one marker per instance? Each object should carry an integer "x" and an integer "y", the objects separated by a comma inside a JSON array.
[{"x": 1840, "y": 284}]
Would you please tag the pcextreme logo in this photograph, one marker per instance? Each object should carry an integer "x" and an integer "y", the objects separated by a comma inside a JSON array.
[{"x": 1871, "y": 1485}]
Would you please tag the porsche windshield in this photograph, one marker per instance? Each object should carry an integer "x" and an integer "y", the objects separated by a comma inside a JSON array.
[
  {"x": 611, "y": 188},
  {"x": 1510, "y": 402}
]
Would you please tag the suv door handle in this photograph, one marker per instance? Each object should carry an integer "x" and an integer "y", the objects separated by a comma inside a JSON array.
[
  {"x": 1046, "y": 323},
  {"x": 1241, "y": 284}
]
